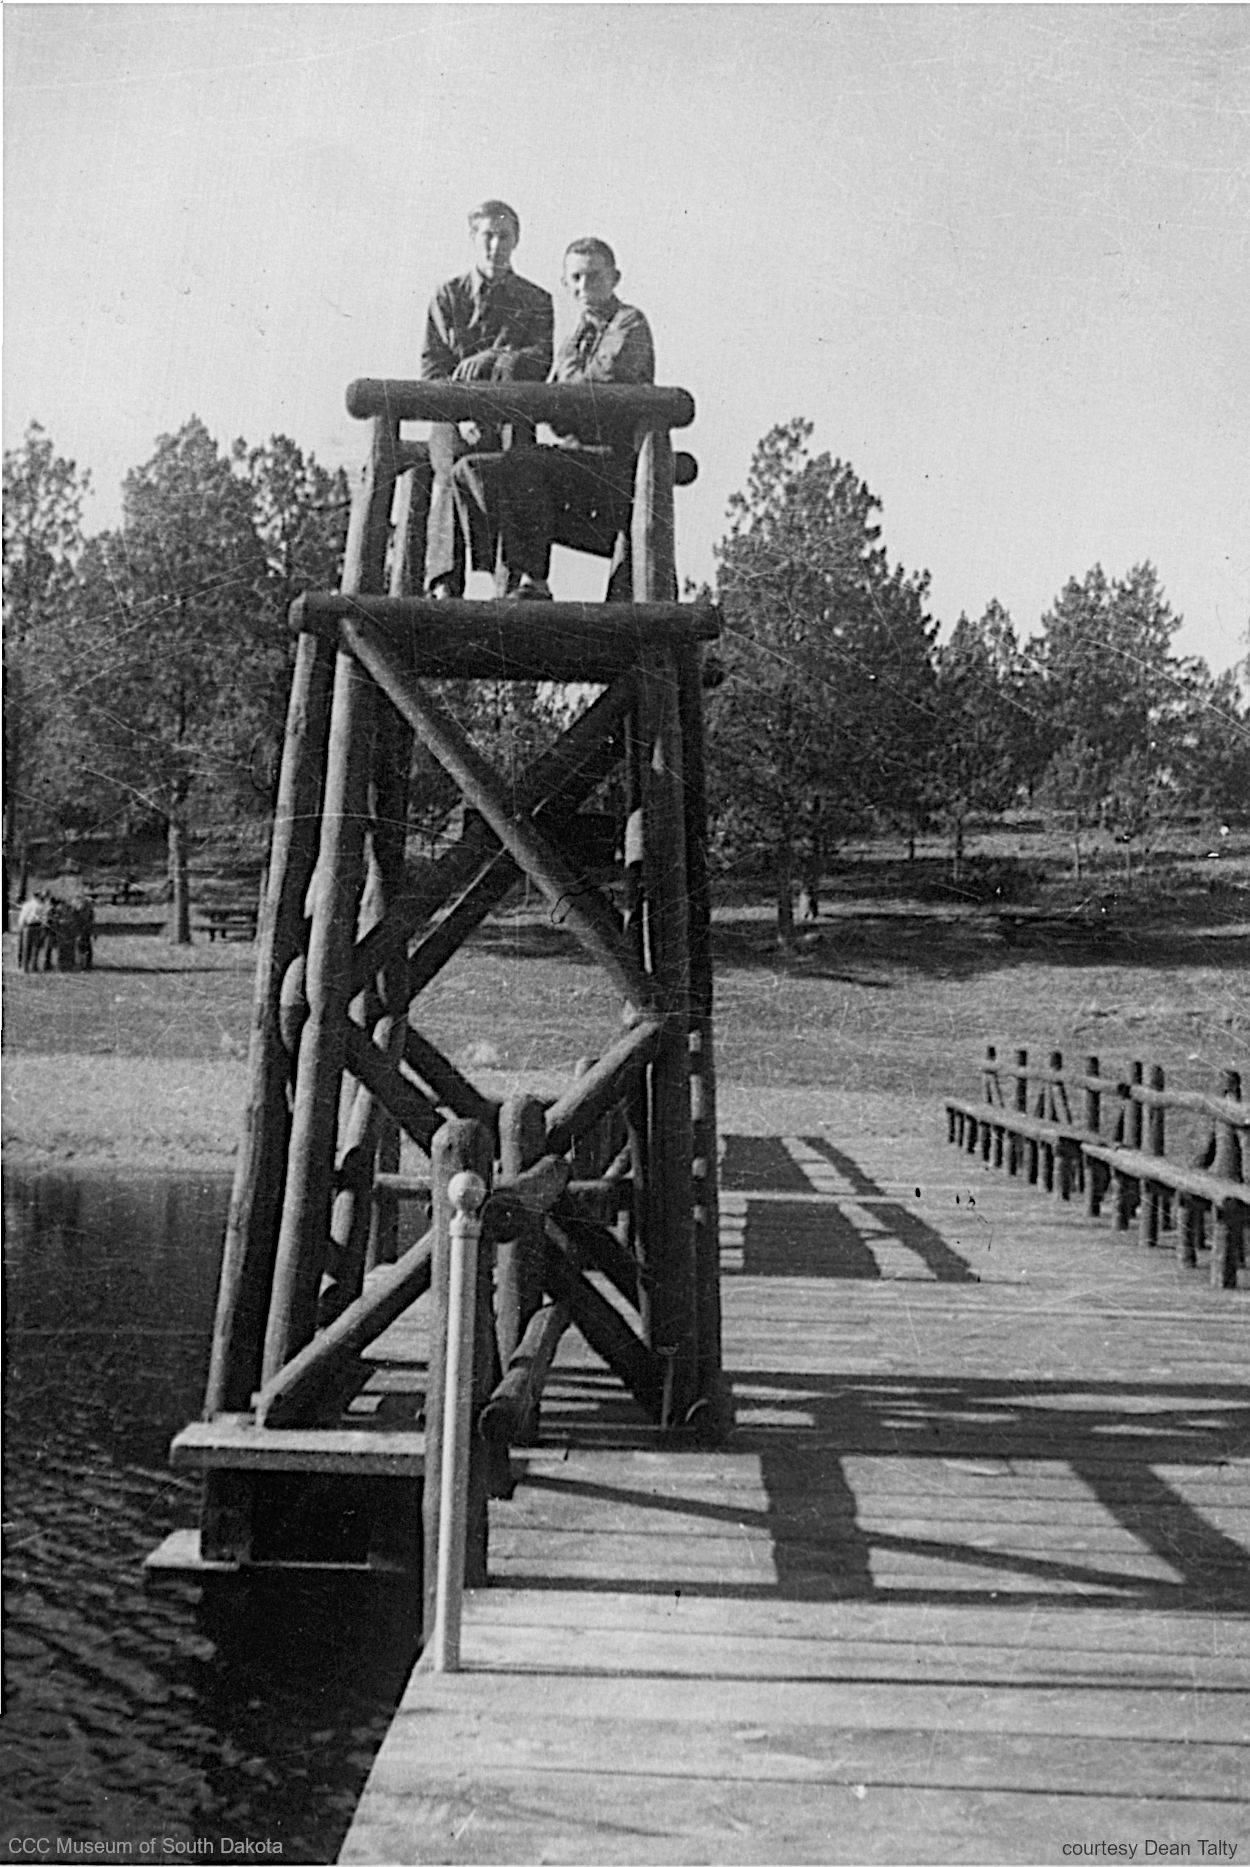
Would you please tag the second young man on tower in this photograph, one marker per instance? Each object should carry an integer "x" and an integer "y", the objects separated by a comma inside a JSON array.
[{"x": 581, "y": 487}]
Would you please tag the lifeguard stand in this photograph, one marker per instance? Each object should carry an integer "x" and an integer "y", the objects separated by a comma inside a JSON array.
[{"x": 351, "y": 935}]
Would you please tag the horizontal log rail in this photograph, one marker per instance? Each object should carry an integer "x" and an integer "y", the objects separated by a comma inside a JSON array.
[
  {"x": 462, "y": 639},
  {"x": 461, "y": 618},
  {"x": 403, "y": 1185},
  {"x": 645, "y": 405},
  {"x": 1144, "y": 1181},
  {"x": 1194, "y": 1101},
  {"x": 1080, "y": 1128}
]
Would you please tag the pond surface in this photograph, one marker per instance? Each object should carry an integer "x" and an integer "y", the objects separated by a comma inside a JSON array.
[{"x": 168, "y": 1719}]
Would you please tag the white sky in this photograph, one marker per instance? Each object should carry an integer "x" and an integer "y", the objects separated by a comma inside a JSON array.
[{"x": 997, "y": 254}]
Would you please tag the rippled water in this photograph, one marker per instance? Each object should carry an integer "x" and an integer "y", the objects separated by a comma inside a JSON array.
[{"x": 138, "y": 1712}]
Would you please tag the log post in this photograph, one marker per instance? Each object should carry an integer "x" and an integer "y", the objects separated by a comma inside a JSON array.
[
  {"x": 990, "y": 1084},
  {"x": 411, "y": 511},
  {"x": 1020, "y": 1102},
  {"x": 1093, "y": 1099},
  {"x": 1227, "y": 1229},
  {"x": 1150, "y": 1197},
  {"x": 465, "y": 1195},
  {"x": 1124, "y": 1198},
  {"x": 668, "y": 1284},
  {"x": 1050, "y": 1150},
  {"x": 260, "y": 1170},
  {"x": 1133, "y": 1136},
  {"x": 304, "y": 1234},
  {"x": 715, "y": 1399},
  {"x": 668, "y": 1279},
  {"x": 651, "y": 529},
  {"x": 384, "y": 1002},
  {"x": 460, "y": 1147},
  {"x": 518, "y": 1279}
]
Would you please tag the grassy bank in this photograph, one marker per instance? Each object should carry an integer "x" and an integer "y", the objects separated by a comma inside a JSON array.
[{"x": 887, "y": 1005}]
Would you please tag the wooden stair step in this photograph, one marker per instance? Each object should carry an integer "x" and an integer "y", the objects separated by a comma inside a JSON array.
[{"x": 233, "y": 1441}]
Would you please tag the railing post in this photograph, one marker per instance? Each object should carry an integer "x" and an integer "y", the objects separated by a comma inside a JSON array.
[
  {"x": 1150, "y": 1196},
  {"x": 1226, "y": 1232},
  {"x": 1020, "y": 1102},
  {"x": 518, "y": 1280},
  {"x": 459, "y": 1148},
  {"x": 990, "y": 1084},
  {"x": 1093, "y": 1099},
  {"x": 466, "y": 1193},
  {"x": 1133, "y": 1136}
]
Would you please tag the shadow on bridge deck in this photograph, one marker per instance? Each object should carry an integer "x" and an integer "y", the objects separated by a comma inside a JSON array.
[{"x": 970, "y": 1582}]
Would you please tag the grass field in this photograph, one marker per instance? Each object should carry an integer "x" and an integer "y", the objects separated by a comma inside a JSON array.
[{"x": 892, "y": 995}]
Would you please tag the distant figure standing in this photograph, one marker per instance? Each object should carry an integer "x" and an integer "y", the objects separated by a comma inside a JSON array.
[
  {"x": 489, "y": 325},
  {"x": 34, "y": 932},
  {"x": 557, "y": 494}
]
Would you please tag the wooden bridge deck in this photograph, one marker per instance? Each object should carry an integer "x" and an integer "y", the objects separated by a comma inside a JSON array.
[{"x": 971, "y": 1582}]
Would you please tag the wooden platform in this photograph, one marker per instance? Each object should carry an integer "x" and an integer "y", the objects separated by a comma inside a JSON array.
[{"x": 971, "y": 1582}]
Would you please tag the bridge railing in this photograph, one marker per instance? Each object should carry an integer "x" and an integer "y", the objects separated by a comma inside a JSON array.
[{"x": 1081, "y": 1129}]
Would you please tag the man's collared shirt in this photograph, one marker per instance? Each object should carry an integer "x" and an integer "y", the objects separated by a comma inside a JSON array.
[
  {"x": 614, "y": 347},
  {"x": 471, "y": 314}
]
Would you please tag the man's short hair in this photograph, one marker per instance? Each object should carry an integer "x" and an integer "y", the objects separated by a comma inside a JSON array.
[
  {"x": 592, "y": 249},
  {"x": 496, "y": 210}
]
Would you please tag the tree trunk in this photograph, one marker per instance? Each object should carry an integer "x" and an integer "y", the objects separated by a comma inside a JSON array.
[
  {"x": 813, "y": 862},
  {"x": 179, "y": 889},
  {"x": 957, "y": 856},
  {"x": 784, "y": 874},
  {"x": 12, "y": 767}
]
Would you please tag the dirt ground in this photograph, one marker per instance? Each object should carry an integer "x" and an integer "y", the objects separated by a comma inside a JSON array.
[{"x": 885, "y": 1007}]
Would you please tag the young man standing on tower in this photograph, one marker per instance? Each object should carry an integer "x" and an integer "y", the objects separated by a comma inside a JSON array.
[{"x": 488, "y": 325}]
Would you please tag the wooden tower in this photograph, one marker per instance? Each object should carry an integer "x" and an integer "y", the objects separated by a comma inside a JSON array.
[{"x": 351, "y": 935}]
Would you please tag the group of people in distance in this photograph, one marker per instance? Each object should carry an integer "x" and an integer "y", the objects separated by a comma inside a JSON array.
[{"x": 492, "y": 326}]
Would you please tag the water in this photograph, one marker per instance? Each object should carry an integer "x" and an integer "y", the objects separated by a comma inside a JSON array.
[{"x": 182, "y": 1717}]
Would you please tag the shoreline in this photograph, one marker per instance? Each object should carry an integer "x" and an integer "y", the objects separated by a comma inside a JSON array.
[{"x": 83, "y": 1114}]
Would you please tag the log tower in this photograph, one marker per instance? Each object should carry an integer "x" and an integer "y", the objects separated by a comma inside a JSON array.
[{"x": 351, "y": 933}]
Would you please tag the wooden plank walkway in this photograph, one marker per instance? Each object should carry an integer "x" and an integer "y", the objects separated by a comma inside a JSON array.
[{"x": 971, "y": 1582}]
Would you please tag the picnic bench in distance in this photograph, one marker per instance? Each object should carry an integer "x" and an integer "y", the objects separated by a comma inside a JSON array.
[
  {"x": 226, "y": 918},
  {"x": 1088, "y": 926},
  {"x": 1118, "y": 1144},
  {"x": 122, "y": 891}
]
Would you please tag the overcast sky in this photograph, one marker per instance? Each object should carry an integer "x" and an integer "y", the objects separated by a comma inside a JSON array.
[{"x": 998, "y": 255}]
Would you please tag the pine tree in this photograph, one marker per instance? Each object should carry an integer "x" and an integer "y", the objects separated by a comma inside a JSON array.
[{"x": 826, "y": 703}]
